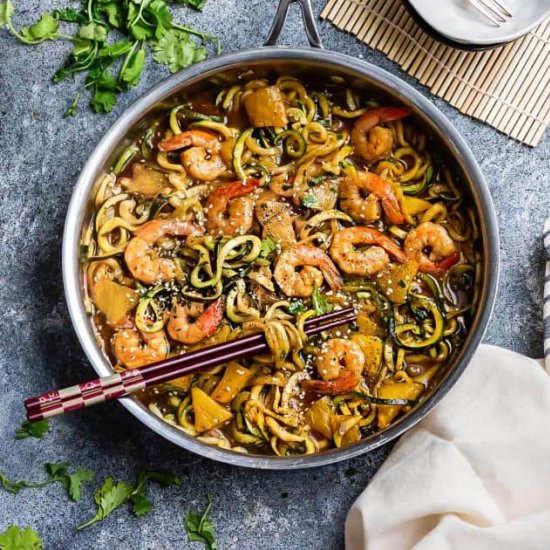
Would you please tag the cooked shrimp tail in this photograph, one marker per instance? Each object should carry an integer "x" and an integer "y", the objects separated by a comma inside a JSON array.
[
  {"x": 340, "y": 365},
  {"x": 432, "y": 247},
  {"x": 371, "y": 141},
  {"x": 195, "y": 138},
  {"x": 349, "y": 252},
  {"x": 300, "y": 268},
  {"x": 181, "y": 329},
  {"x": 228, "y": 211},
  {"x": 134, "y": 349},
  {"x": 144, "y": 261}
]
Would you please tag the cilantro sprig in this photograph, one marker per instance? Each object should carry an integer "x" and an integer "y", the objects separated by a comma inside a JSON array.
[
  {"x": 111, "y": 42},
  {"x": 320, "y": 304},
  {"x": 199, "y": 527},
  {"x": 56, "y": 472},
  {"x": 112, "y": 495},
  {"x": 17, "y": 538},
  {"x": 32, "y": 429}
]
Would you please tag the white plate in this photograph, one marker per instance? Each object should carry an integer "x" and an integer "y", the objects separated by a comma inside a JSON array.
[{"x": 459, "y": 20}]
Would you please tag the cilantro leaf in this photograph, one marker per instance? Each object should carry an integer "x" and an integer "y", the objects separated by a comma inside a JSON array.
[
  {"x": 296, "y": 307},
  {"x": 108, "y": 498},
  {"x": 16, "y": 538},
  {"x": 196, "y": 4},
  {"x": 163, "y": 18},
  {"x": 176, "y": 50},
  {"x": 320, "y": 303},
  {"x": 200, "y": 529},
  {"x": 138, "y": 21},
  {"x": 6, "y": 11},
  {"x": 32, "y": 429},
  {"x": 309, "y": 201},
  {"x": 56, "y": 472},
  {"x": 111, "y": 496},
  {"x": 103, "y": 101},
  {"x": 93, "y": 31},
  {"x": 268, "y": 246},
  {"x": 140, "y": 503},
  {"x": 113, "y": 13},
  {"x": 132, "y": 68},
  {"x": 71, "y": 482},
  {"x": 44, "y": 29},
  {"x": 312, "y": 182},
  {"x": 115, "y": 50},
  {"x": 70, "y": 15}
]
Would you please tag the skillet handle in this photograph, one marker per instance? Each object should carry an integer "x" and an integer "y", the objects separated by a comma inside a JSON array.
[{"x": 309, "y": 23}]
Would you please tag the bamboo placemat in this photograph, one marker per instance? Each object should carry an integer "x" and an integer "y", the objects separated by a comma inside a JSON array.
[{"x": 508, "y": 87}]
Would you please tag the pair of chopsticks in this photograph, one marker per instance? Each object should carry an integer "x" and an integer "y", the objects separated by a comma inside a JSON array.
[{"x": 125, "y": 383}]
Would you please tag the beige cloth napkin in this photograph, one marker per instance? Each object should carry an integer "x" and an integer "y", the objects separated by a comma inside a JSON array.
[{"x": 474, "y": 474}]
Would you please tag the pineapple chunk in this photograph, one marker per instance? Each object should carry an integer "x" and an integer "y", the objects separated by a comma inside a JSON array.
[
  {"x": 234, "y": 379},
  {"x": 208, "y": 413},
  {"x": 395, "y": 280},
  {"x": 395, "y": 390},
  {"x": 114, "y": 300}
]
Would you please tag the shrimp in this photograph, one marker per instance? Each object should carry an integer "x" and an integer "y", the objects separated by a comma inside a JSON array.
[
  {"x": 340, "y": 365},
  {"x": 361, "y": 194},
  {"x": 134, "y": 349},
  {"x": 432, "y": 247},
  {"x": 313, "y": 265},
  {"x": 207, "y": 321},
  {"x": 143, "y": 260},
  {"x": 203, "y": 164},
  {"x": 228, "y": 211},
  {"x": 195, "y": 138},
  {"x": 363, "y": 262},
  {"x": 371, "y": 141}
]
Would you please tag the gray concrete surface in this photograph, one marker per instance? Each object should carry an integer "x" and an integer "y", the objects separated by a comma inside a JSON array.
[{"x": 40, "y": 157}]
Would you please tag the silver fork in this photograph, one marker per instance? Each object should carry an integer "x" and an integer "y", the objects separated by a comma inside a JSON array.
[{"x": 493, "y": 10}]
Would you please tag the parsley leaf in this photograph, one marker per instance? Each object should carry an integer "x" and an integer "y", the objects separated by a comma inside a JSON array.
[
  {"x": 108, "y": 498},
  {"x": 177, "y": 51},
  {"x": 32, "y": 429},
  {"x": 15, "y": 538},
  {"x": 268, "y": 246},
  {"x": 200, "y": 529},
  {"x": 320, "y": 303}
]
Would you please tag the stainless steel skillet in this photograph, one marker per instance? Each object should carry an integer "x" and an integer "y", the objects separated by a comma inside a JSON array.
[{"x": 311, "y": 63}]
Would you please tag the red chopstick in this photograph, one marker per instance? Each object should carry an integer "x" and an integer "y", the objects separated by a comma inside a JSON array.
[{"x": 122, "y": 384}]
